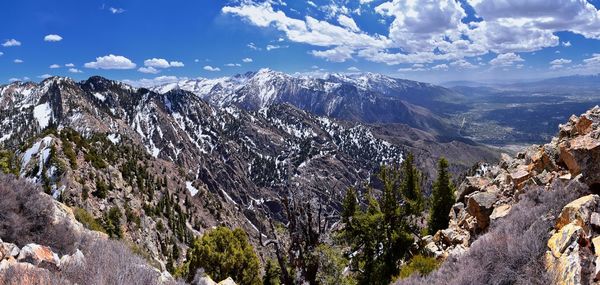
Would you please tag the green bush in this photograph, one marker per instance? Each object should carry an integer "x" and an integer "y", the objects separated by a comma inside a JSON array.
[
  {"x": 88, "y": 220},
  {"x": 419, "y": 263},
  {"x": 8, "y": 162},
  {"x": 225, "y": 253},
  {"x": 112, "y": 222}
]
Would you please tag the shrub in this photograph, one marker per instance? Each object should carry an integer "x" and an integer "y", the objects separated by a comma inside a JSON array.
[
  {"x": 272, "y": 273},
  {"x": 419, "y": 264},
  {"x": 109, "y": 262},
  {"x": 512, "y": 251},
  {"x": 225, "y": 253},
  {"x": 101, "y": 189},
  {"x": 26, "y": 216},
  {"x": 112, "y": 222},
  {"x": 8, "y": 162},
  {"x": 88, "y": 220}
]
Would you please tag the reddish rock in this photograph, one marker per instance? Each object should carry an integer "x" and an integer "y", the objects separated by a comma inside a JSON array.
[
  {"x": 583, "y": 125},
  {"x": 36, "y": 254}
]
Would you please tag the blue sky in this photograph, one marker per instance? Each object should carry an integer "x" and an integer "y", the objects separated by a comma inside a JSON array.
[{"x": 148, "y": 42}]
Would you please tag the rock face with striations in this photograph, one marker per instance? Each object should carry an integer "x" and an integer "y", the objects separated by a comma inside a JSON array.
[{"x": 573, "y": 255}]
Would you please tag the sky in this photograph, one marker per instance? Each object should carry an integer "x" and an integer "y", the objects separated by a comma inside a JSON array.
[{"x": 146, "y": 42}]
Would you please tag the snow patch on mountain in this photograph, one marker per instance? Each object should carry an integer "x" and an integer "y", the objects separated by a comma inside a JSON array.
[{"x": 42, "y": 114}]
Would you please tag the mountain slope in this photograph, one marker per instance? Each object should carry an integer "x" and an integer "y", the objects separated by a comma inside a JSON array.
[
  {"x": 173, "y": 165},
  {"x": 369, "y": 98}
]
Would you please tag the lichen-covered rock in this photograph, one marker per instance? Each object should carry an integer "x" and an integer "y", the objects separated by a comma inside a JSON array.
[
  {"x": 578, "y": 212},
  {"x": 564, "y": 237}
]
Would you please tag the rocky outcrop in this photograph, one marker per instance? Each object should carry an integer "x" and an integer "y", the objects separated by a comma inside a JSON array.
[{"x": 573, "y": 255}]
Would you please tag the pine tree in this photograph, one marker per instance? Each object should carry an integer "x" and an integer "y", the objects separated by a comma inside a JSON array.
[
  {"x": 381, "y": 235},
  {"x": 350, "y": 205},
  {"x": 411, "y": 189},
  {"x": 442, "y": 199}
]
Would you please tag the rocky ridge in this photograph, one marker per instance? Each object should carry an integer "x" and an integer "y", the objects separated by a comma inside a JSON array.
[{"x": 573, "y": 249}]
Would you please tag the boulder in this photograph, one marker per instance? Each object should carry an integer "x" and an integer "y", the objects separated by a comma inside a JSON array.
[
  {"x": 500, "y": 212},
  {"x": 432, "y": 249},
  {"x": 566, "y": 269},
  {"x": 583, "y": 125},
  {"x": 505, "y": 161},
  {"x": 36, "y": 254},
  {"x": 578, "y": 212},
  {"x": 520, "y": 175},
  {"x": 582, "y": 155},
  {"x": 470, "y": 185},
  {"x": 481, "y": 205},
  {"x": 540, "y": 160},
  {"x": 8, "y": 250},
  {"x": 76, "y": 258},
  {"x": 564, "y": 238},
  {"x": 454, "y": 236}
]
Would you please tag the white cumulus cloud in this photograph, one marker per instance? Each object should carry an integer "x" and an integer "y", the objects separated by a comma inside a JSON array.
[
  {"x": 506, "y": 59},
  {"x": 210, "y": 68},
  {"x": 18, "y": 61},
  {"x": 427, "y": 31},
  {"x": 150, "y": 70},
  {"x": 111, "y": 62},
  {"x": 53, "y": 38},
  {"x": 116, "y": 10},
  {"x": 54, "y": 66},
  {"x": 560, "y": 61},
  {"x": 338, "y": 54},
  {"x": 348, "y": 23},
  {"x": 247, "y": 60},
  {"x": 11, "y": 43},
  {"x": 162, "y": 63},
  {"x": 75, "y": 70}
]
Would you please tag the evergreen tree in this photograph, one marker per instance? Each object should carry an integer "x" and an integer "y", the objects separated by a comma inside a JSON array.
[
  {"x": 442, "y": 199},
  {"x": 349, "y": 204},
  {"x": 411, "y": 182},
  {"x": 225, "y": 253},
  {"x": 381, "y": 235},
  {"x": 272, "y": 273}
]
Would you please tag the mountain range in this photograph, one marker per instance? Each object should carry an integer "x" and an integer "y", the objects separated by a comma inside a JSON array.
[
  {"x": 362, "y": 97},
  {"x": 222, "y": 158}
]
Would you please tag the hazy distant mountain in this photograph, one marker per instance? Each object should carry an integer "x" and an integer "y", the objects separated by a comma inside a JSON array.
[{"x": 573, "y": 81}]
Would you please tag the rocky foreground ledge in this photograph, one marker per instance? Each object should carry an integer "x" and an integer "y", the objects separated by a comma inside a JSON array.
[{"x": 573, "y": 249}]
